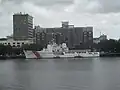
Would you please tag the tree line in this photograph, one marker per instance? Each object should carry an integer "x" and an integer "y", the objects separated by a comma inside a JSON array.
[
  {"x": 110, "y": 45},
  {"x": 9, "y": 50}
]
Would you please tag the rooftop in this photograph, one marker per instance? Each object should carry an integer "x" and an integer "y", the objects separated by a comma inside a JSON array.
[{"x": 20, "y": 13}]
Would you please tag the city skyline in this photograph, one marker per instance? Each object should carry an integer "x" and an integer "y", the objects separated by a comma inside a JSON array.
[{"x": 97, "y": 13}]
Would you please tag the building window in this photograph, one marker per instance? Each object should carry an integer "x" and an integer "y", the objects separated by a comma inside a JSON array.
[
  {"x": 85, "y": 32},
  {"x": 13, "y": 45},
  {"x": 23, "y": 43},
  {"x": 90, "y": 32},
  {"x": 8, "y": 43},
  {"x": 18, "y": 43},
  {"x": 90, "y": 38}
]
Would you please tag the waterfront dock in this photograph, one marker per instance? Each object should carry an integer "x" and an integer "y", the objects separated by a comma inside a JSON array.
[{"x": 110, "y": 55}]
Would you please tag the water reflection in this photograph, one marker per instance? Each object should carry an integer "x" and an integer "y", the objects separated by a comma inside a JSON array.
[{"x": 60, "y": 74}]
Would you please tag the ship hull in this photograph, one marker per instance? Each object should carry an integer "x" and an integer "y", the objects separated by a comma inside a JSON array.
[
  {"x": 68, "y": 55},
  {"x": 50, "y": 55},
  {"x": 30, "y": 55},
  {"x": 38, "y": 55},
  {"x": 46, "y": 55},
  {"x": 89, "y": 54}
]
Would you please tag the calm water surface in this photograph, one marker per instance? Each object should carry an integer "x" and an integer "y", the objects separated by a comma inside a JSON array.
[{"x": 60, "y": 74}]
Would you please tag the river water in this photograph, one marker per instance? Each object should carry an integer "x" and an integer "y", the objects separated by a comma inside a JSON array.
[{"x": 60, "y": 74}]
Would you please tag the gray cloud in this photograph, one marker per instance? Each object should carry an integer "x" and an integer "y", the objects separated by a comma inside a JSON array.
[
  {"x": 42, "y": 2},
  {"x": 91, "y": 6},
  {"x": 109, "y": 6},
  {"x": 102, "y": 14},
  {"x": 96, "y": 6},
  {"x": 53, "y": 2}
]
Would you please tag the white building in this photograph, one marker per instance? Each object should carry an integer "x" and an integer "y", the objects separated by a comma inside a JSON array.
[
  {"x": 15, "y": 43},
  {"x": 103, "y": 37},
  {"x": 99, "y": 39},
  {"x": 96, "y": 40}
]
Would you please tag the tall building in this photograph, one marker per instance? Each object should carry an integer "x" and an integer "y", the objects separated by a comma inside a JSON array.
[
  {"x": 40, "y": 35},
  {"x": 88, "y": 37},
  {"x": 22, "y": 26},
  {"x": 73, "y": 36},
  {"x": 81, "y": 37}
]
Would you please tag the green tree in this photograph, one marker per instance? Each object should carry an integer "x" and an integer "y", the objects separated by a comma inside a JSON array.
[{"x": 32, "y": 47}]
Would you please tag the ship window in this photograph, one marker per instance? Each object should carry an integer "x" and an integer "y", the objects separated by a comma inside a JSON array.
[{"x": 90, "y": 53}]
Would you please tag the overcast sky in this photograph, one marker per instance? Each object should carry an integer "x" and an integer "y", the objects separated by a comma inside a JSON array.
[{"x": 103, "y": 15}]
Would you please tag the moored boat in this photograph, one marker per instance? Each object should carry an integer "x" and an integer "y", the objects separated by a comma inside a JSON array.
[
  {"x": 58, "y": 51},
  {"x": 88, "y": 54},
  {"x": 52, "y": 51}
]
